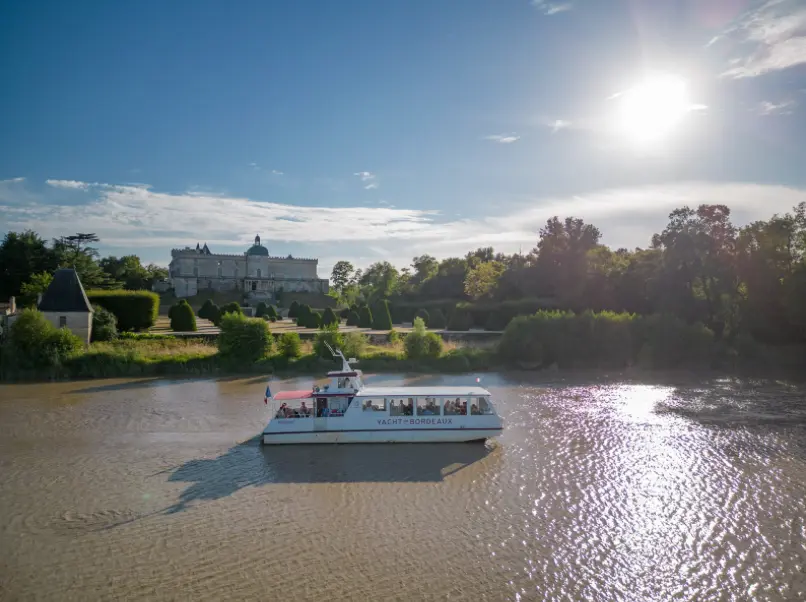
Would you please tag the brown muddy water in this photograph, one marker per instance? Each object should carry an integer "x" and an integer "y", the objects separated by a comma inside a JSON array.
[{"x": 597, "y": 490}]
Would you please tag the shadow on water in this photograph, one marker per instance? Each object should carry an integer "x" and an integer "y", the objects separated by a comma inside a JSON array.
[
  {"x": 249, "y": 464},
  {"x": 145, "y": 383}
]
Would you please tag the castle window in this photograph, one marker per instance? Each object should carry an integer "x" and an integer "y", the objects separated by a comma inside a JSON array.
[{"x": 259, "y": 274}]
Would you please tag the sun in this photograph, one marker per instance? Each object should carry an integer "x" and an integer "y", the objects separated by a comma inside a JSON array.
[{"x": 650, "y": 111}]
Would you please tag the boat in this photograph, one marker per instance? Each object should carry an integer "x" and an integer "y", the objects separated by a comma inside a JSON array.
[{"x": 347, "y": 411}]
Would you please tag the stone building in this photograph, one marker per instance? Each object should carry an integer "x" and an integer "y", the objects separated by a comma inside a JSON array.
[
  {"x": 65, "y": 304},
  {"x": 259, "y": 275}
]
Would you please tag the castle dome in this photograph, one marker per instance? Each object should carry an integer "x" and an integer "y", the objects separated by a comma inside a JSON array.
[{"x": 258, "y": 249}]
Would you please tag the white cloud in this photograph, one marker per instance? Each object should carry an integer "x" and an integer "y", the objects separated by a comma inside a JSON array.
[
  {"x": 71, "y": 184},
  {"x": 140, "y": 220},
  {"x": 276, "y": 172},
  {"x": 365, "y": 175},
  {"x": 503, "y": 138},
  {"x": 772, "y": 36},
  {"x": 12, "y": 181},
  {"x": 559, "y": 124},
  {"x": 784, "y": 107},
  {"x": 551, "y": 8},
  {"x": 371, "y": 186}
]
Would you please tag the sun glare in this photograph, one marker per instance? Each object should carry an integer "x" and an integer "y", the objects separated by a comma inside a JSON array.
[{"x": 653, "y": 109}]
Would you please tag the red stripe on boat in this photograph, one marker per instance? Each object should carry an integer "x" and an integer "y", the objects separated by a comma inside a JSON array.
[{"x": 288, "y": 395}]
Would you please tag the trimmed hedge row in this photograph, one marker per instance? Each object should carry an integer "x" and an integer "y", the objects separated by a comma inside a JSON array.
[{"x": 134, "y": 310}]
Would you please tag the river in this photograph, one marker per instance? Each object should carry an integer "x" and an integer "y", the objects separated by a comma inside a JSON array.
[{"x": 599, "y": 489}]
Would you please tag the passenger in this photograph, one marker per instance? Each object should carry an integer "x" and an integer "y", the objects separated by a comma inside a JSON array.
[
  {"x": 289, "y": 413},
  {"x": 281, "y": 412},
  {"x": 304, "y": 411},
  {"x": 474, "y": 410}
]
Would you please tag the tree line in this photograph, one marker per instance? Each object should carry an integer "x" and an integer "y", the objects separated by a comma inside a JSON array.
[
  {"x": 700, "y": 268},
  {"x": 27, "y": 263}
]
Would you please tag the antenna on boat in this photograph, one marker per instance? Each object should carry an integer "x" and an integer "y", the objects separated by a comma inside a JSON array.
[{"x": 339, "y": 355}]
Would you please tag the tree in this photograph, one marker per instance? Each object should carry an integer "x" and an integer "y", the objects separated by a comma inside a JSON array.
[
  {"x": 210, "y": 311},
  {"x": 74, "y": 252},
  {"x": 22, "y": 255},
  {"x": 425, "y": 267},
  {"x": 381, "y": 320},
  {"x": 424, "y": 315},
  {"x": 365, "y": 317},
  {"x": 37, "y": 285},
  {"x": 104, "y": 324},
  {"x": 437, "y": 319},
  {"x": 380, "y": 280},
  {"x": 353, "y": 319},
  {"x": 233, "y": 307},
  {"x": 329, "y": 318},
  {"x": 261, "y": 310},
  {"x": 182, "y": 317},
  {"x": 340, "y": 276},
  {"x": 127, "y": 271},
  {"x": 482, "y": 280},
  {"x": 293, "y": 310},
  {"x": 272, "y": 313}
]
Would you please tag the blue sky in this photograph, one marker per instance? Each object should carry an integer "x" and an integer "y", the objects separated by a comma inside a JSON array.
[{"x": 368, "y": 130}]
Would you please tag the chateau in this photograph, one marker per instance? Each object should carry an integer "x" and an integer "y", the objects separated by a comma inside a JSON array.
[{"x": 255, "y": 272}]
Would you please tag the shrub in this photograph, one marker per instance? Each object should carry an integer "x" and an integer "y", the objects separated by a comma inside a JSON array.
[
  {"x": 244, "y": 339},
  {"x": 233, "y": 307},
  {"x": 344, "y": 313},
  {"x": 329, "y": 317},
  {"x": 353, "y": 319},
  {"x": 272, "y": 313},
  {"x": 355, "y": 344},
  {"x": 365, "y": 317},
  {"x": 33, "y": 342},
  {"x": 293, "y": 310},
  {"x": 104, "y": 324},
  {"x": 134, "y": 310},
  {"x": 261, "y": 310},
  {"x": 393, "y": 336},
  {"x": 496, "y": 321},
  {"x": 460, "y": 320},
  {"x": 420, "y": 344},
  {"x": 436, "y": 319},
  {"x": 289, "y": 345},
  {"x": 210, "y": 311},
  {"x": 302, "y": 313},
  {"x": 423, "y": 313},
  {"x": 330, "y": 335},
  {"x": 182, "y": 317},
  {"x": 381, "y": 319}
]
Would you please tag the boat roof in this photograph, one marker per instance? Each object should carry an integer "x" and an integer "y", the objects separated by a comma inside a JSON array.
[
  {"x": 418, "y": 391},
  {"x": 289, "y": 395}
]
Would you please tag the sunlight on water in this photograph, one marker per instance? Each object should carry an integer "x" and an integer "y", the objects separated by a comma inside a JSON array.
[{"x": 597, "y": 490}]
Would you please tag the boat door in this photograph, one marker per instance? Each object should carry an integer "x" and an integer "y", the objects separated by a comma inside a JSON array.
[{"x": 320, "y": 420}]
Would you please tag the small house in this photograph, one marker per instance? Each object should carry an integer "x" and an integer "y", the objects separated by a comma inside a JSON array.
[{"x": 65, "y": 304}]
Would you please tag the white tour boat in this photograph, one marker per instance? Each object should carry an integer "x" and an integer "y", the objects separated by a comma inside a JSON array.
[{"x": 345, "y": 411}]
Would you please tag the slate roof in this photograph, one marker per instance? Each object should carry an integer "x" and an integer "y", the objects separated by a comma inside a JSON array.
[{"x": 65, "y": 293}]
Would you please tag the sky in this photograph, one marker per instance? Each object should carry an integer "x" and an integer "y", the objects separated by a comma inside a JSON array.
[{"x": 368, "y": 131}]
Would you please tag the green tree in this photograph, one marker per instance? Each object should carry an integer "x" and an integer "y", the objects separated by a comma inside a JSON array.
[
  {"x": 272, "y": 313},
  {"x": 289, "y": 345},
  {"x": 365, "y": 317},
  {"x": 424, "y": 315},
  {"x": 340, "y": 276},
  {"x": 261, "y": 310},
  {"x": 37, "y": 285},
  {"x": 353, "y": 319},
  {"x": 210, "y": 311},
  {"x": 23, "y": 254},
  {"x": 329, "y": 318},
  {"x": 104, "y": 324},
  {"x": 128, "y": 272},
  {"x": 380, "y": 280},
  {"x": 244, "y": 339},
  {"x": 182, "y": 317},
  {"x": 75, "y": 252},
  {"x": 381, "y": 320},
  {"x": 437, "y": 319},
  {"x": 233, "y": 307},
  {"x": 482, "y": 279},
  {"x": 420, "y": 344}
]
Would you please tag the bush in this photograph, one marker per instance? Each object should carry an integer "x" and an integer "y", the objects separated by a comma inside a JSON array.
[
  {"x": 233, "y": 307},
  {"x": 329, "y": 317},
  {"x": 33, "y": 342},
  {"x": 344, "y": 313},
  {"x": 437, "y": 319},
  {"x": 365, "y": 317},
  {"x": 182, "y": 317},
  {"x": 353, "y": 319},
  {"x": 423, "y": 313},
  {"x": 210, "y": 311},
  {"x": 381, "y": 319},
  {"x": 134, "y": 310},
  {"x": 355, "y": 344},
  {"x": 104, "y": 324},
  {"x": 289, "y": 345},
  {"x": 496, "y": 321},
  {"x": 420, "y": 344},
  {"x": 272, "y": 313},
  {"x": 244, "y": 339},
  {"x": 261, "y": 310},
  {"x": 460, "y": 320},
  {"x": 293, "y": 310},
  {"x": 393, "y": 336},
  {"x": 330, "y": 335}
]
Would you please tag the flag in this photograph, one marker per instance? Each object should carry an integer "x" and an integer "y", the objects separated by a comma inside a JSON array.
[{"x": 268, "y": 395}]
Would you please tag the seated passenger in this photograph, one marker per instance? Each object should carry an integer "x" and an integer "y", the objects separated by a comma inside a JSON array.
[
  {"x": 474, "y": 409},
  {"x": 304, "y": 411},
  {"x": 281, "y": 412}
]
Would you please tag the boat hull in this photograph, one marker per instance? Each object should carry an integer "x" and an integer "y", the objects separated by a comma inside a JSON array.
[{"x": 455, "y": 435}]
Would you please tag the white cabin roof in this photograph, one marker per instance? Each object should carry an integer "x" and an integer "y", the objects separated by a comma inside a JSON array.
[{"x": 422, "y": 391}]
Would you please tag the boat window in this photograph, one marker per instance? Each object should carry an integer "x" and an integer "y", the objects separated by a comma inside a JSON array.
[
  {"x": 401, "y": 407},
  {"x": 374, "y": 405},
  {"x": 428, "y": 406},
  {"x": 485, "y": 407},
  {"x": 456, "y": 406}
]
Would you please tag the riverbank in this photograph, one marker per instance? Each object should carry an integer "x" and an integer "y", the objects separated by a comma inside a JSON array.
[{"x": 168, "y": 356}]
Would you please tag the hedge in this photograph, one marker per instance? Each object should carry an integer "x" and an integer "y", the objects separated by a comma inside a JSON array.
[
  {"x": 460, "y": 320},
  {"x": 244, "y": 339},
  {"x": 420, "y": 344},
  {"x": 261, "y": 310},
  {"x": 182, "y": 317},
  {"x": 437, "y": 319},
  {"x": 365, "y": 317},
  {"x": 381, "y": 320},
  {"x": 423, "y": 313},
  {"x": 272, "y": 313},
  {"x": 104, "y": 324},
  {"x": 233, "y": 307},
  {"x": 134, "y": 310},
  {"x": 329, "y": 317},
  {"x": 289, "y": 345},
  {"x": 353, "y": 319},
  {"x": 210, "y": 311},
  {"x": 293, "y": 310}
]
